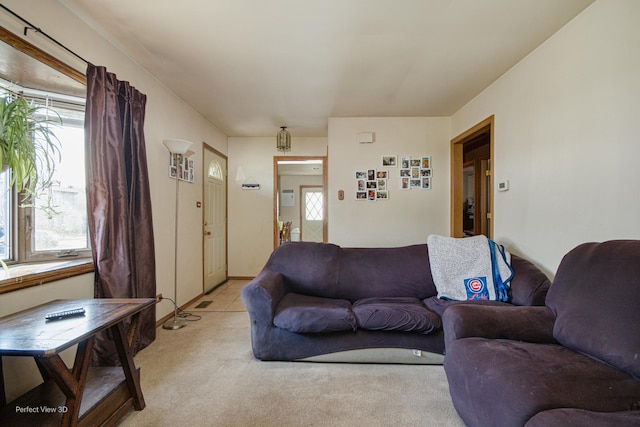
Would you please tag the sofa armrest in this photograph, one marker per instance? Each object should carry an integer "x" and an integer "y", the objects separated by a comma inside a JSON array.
[
  {"x": 531, "y": 324},
  {"x": 529, "y": 285},
  {"x": 262, "y": 295}
]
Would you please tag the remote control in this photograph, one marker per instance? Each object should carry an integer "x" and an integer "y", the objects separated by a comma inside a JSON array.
[{"x": 59, "y": 315}]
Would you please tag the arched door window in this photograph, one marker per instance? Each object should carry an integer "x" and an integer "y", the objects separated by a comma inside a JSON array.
[{"x": 215, "y": 171}]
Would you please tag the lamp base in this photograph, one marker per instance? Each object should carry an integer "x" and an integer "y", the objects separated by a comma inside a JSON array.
[{"x": 174, "y": 324}]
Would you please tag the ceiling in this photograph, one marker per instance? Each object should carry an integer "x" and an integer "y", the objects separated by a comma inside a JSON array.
[{"x": 251, "y": 66}]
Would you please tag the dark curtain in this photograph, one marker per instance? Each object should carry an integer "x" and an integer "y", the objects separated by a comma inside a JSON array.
[{"x": 119, "y": 202}]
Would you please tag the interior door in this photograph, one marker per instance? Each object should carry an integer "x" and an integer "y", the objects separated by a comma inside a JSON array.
[
  {"x": 215, "y": 220},
  {"x": 311, "y": 213}
]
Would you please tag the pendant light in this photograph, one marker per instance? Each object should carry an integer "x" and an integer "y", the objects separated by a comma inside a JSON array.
[{"x": 283, "y": 140}]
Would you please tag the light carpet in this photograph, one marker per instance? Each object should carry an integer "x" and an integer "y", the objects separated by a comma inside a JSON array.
[{"x": 206, "y": 375}]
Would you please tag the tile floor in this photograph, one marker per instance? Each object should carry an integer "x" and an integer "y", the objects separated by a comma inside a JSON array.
[{"x": 225, "y": 297}]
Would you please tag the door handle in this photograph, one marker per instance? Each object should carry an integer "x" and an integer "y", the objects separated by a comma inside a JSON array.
[{"x": 208, "y": 233}]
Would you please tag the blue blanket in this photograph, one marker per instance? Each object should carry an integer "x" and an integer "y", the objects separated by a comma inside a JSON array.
[{"x": 471, "y": 268}]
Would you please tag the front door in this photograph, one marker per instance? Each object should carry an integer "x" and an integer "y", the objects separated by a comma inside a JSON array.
[{"x": 215, "y": 220}]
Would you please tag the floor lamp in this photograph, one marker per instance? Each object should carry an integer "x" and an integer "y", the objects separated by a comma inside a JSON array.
[{"x": 179, "y": 147}]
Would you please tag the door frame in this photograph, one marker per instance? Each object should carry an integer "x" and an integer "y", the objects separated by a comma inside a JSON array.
[
  {"x": 205, "y": 175},
  {"x": 276, "y": 229},
  {"x": 457, "y": 176}
]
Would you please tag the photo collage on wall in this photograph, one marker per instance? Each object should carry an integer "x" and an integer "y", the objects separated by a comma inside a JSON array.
[
  {"x": 372, "y": 184},
  {"x": 415, "y": 172}
]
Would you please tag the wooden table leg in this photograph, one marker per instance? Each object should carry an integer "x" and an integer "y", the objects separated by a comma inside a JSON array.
[
  {"x": 72, "y": 382},
  {"x": 126, "y": 359},
  {"x": 3, "y": 396}
]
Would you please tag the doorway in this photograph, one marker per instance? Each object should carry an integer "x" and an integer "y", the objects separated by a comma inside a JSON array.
[
  {"x": 472, "y": 181},
  {"x": 300, "y": 198},
  {"x": 214, "y": 224}
]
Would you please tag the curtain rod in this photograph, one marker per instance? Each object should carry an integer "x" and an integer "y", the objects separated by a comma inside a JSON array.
[{"x": 30, "y": 26}]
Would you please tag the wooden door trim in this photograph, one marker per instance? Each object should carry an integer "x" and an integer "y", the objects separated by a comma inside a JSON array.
[{"x": 457, "y": 177}]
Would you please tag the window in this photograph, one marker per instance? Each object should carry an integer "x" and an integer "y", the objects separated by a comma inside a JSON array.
[
  {"x": 53, "y": 225},
  {"x": 313, "y": 206},
  {"x": 215, "y": 171}
]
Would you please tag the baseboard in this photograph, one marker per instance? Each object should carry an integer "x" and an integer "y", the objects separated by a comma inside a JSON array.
[{"x": 241, "y": 277}]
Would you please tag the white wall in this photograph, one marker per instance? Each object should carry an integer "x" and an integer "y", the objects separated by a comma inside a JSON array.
[
  {"x": 251, "y": 218},
  {"x": 408, "y": 216},
  {"x": 167, "y": 116},
  {"x": 566, "y": 136}
]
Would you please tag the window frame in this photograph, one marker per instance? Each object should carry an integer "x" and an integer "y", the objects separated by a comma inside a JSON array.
[
  {"x": 26, "y": 215},
  {"x": 20, "y": 275}
]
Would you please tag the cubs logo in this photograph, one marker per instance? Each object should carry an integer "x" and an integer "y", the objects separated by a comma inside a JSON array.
[{"x": 476, "y": 288}]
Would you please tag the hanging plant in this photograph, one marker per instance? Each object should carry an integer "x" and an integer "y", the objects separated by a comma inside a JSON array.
[{"x": 28, "y": 145}]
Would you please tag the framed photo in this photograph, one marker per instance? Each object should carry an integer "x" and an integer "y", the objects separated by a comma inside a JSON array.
[
  {"x": 372, "y": 184},
  {"x": 371, "y": 174},
  {"x": 361, "y": 174},
  {"x": 382, "y": 184},
  {"x": 426, "y": 183},
  {"x": 361, "y": 195},
  {"x": 382, "y": 195},
  {"x": 405, "y": 162},
  {"x": 415, "y": 163},
  {"x": 362, "y": 185},
  {"x": 426, "y": 162},
  {"x": 415, "y": 183},
  {"x": 389, "y": 161},
  {"x": 382, "y": 174},
  {"x": 371, "y": 195},
  {"x": 405, "y": 183}
]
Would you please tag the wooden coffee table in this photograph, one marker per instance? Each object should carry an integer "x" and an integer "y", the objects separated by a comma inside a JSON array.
[{"x": 80, "y": 395}]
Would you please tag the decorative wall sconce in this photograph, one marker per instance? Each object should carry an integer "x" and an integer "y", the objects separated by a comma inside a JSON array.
[{"x": 283, "y": 140}]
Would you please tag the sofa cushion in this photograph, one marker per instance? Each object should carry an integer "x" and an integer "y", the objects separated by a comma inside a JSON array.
[
  {"x": 307, "y": 314},
  {"x": 395, "y": 314},
  {"x": 384, "y": 272},
  {"x": 308, "y": 268},
  {"x": 495, "y": 382},
  {"x": 439, "y": 305},
  {"x": 595, "y": 296}
]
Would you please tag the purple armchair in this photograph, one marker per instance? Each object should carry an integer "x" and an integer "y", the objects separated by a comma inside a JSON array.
[{"x": 575, "y": 361}]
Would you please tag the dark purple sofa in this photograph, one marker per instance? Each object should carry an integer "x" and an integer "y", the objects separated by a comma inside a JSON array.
[
  {"x": 315, "y": 299},
  {"x": 573, "y": 362}
]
